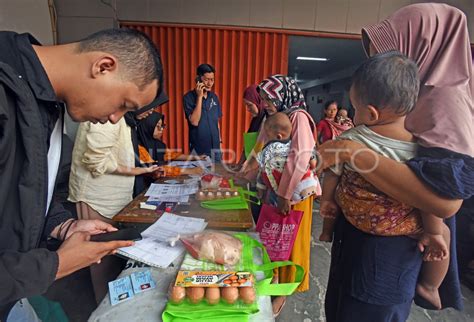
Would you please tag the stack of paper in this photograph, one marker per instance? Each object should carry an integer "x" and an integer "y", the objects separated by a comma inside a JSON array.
[
  {"x": 154, "y": 248},
  {"x": 206, "y": 163},
  {"x": 171, "y": 192},
  {"x": 160, "y": 199}
]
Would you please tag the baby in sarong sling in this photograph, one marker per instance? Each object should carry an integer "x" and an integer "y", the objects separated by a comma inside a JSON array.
[{"x": 384, "y": 90}]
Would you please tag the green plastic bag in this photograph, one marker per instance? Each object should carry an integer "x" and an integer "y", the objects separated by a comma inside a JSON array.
[
  {"x": 202, "y": 312},
  {"x": 249, "y": 142}
]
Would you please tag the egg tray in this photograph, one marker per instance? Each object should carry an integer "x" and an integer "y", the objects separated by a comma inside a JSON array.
[
  {"x": 212, "y": 295},
  {"x": 215, "y": 194}
]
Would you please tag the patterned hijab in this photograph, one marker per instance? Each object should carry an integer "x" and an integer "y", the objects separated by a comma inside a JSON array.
[
  {"x": 436, "y": 37},
  {"x": 284, "y": 93}
]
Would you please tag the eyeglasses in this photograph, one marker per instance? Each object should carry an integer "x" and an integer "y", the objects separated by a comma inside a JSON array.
[{"x": 162, "y": 126}]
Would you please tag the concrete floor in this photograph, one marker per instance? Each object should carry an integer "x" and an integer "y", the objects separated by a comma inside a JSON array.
[
  {"x": 76, "y": 296},
  {"x": 309, "y": 306}
]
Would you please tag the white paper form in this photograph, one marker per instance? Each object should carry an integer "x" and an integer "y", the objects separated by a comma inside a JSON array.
[
  {"x": 170, "y": 225},
  {"x": 154, "y": 249},
  {"x": 159, "y": 190}
]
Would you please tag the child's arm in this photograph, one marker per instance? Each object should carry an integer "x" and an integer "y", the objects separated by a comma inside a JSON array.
[{"x": 432, "y": 242}]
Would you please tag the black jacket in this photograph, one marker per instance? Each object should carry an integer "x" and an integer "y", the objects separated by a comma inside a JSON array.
[{"x": 25, "y": 269}]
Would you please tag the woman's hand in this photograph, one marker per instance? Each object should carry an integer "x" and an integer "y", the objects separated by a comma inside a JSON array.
[
  {"x": 248, "y": 166},
  {"x": 283, "y": 205},
  {"x": 433, "y": 247},
  {"x": 329, "y": 209},
  {"x": 334, "y": 152},
  {"x": 136, "y": 171},
  {"x": 151, "y": 169},
  {"x": 158, "y": 173}
]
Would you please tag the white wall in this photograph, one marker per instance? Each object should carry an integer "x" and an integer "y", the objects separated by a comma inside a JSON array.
[
  {"x": 27, "y": 16},
  {"x": 78, "y": 18}
]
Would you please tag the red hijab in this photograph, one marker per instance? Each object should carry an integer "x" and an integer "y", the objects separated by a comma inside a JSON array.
[{"x": 251, "y": 95}]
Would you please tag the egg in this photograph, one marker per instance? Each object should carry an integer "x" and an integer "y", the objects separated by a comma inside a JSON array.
[
  {"x": 227, "y": 194},
  {"x": 247, "y": 294},
  {"x": 210, "y": 195},
  {"x": 230, "y": 294},
  {"x": 234, "y": 278},
  {"x": 218, "y": 195},
  {"x": 195, "y": 294},
  {"x": 213, "y": 295},
  {"x": 177, "y": 294}
]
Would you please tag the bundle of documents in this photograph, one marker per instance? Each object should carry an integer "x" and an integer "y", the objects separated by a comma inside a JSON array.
[
  {"x": 154, "y": 248},
  {"x": 179, "y": 193}
]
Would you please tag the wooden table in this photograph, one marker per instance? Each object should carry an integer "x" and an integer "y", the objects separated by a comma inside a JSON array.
[{"x": 133, "y": 215}]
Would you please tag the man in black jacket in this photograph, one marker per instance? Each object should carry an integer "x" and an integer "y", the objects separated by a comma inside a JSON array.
[{"x": 98, "y": 79}]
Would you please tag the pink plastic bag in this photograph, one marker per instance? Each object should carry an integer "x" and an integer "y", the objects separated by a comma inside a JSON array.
[{"x": 278, "y": 232}]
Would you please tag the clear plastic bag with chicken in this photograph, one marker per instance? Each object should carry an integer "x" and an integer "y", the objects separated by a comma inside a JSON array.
[{"x": 216, "y": 247}]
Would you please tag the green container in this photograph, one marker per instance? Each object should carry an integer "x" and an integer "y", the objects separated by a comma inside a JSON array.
[{"x": 202, "y": 312}]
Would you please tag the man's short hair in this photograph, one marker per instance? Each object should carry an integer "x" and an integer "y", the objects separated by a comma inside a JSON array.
[
  {"x": 388, "y": 80},
  {"x": 136, "y": 53},
  {"x": 204, "y": 69}
]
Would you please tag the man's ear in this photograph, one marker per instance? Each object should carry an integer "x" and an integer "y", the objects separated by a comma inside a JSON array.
[
  {"x": 374, "y": 113},
  {"x": 279, "y": 136},
  {"x": 103, "y": 65}
]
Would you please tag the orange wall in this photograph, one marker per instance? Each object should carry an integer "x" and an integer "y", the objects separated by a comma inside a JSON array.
[{"x": 241, "y": 57}]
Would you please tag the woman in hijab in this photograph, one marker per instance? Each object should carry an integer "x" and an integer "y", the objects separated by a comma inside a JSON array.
[
  {"x": 282, "y": 94},
  {"x": 254, "y": 104},
  {"x": 151, "y": 147},
  {"x": 374, "y": 277},
  {"x": 150, "y": 133}
]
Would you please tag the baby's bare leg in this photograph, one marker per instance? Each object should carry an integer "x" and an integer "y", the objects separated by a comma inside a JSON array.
[
  {"x": 328, "y": 229},
  {"x": 432, "y": 275}
]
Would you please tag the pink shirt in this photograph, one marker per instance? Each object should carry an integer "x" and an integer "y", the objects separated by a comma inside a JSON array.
[{"x": 302, "y": 145}]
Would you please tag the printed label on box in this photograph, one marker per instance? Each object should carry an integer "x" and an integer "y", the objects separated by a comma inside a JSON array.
[{"x": 213, "y": 279}]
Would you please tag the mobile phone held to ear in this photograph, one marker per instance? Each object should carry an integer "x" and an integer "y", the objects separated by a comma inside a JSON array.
[
  {"x": 122, "y": 234},
  {"x": 197, "y": 79}
]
